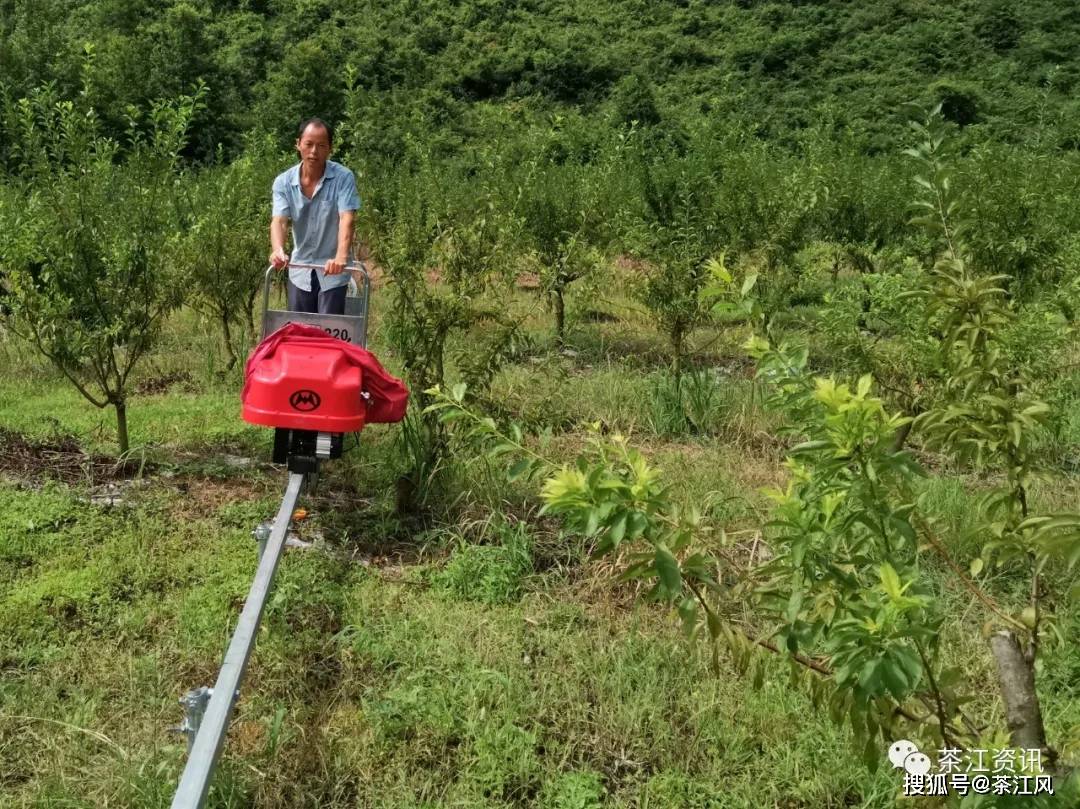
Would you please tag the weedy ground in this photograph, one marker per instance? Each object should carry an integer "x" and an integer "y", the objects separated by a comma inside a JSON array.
[{"x": 470, "y": 658}]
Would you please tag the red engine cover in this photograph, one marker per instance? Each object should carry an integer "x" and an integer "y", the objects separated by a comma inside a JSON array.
[{"x": 303, "y": 387}]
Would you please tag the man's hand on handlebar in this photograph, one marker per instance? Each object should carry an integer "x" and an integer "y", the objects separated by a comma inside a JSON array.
[
  {"x": 279, "y": 259},
  {"x": 335, "y": 266}
]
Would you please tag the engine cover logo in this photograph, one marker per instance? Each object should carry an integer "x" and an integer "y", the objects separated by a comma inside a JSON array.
[{"x": 305, "y": 400}]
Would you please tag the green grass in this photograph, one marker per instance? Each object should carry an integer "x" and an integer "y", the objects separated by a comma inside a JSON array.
[
  {"x": 472, "y": 659},
  {"x": 489, "y": 574},
  {"x": 471, "y": 692},
  {"x": 44, "y": 405}
]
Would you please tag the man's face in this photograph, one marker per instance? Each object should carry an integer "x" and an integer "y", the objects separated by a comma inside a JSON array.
[{"x": 314, "y": 146}]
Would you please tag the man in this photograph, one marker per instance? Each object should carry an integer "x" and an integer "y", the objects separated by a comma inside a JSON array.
[{"x": 319, "y": 197}]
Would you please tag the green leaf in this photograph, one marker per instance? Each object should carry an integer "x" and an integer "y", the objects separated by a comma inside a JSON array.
[
  {"x": 617, "y": 529},
  {"x": 688, "y": 613},
  {"x": 1052, "y": 523},
  {"x": 976, "y": 566},
  {"x": 895, "y": 679},
  {"x": 636, "y": 523},
  {"x": 667, "y": 568},
  {"x": 794, "y": 604},
  {"x": 1036, "y": 409},
  {"x": 890, "y": 582},
  {"x": 911, "y": 664},
  {"x": 520, "y": 467},
  {"x": 865, "y": 381},
  {"x": 870, "y": 675},
  {"x": 501, "y": 449},
  {"x": 715, "y": 627},
  {"x": 906, "y": 530},
  {"x": 1014, "y": 430}
]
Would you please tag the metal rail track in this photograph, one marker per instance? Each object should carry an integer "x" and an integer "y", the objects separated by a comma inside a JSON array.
[{"x": 208, "y": 721}]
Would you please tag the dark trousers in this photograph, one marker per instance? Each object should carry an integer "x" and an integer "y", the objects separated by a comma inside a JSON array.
[{"x": 323, "y": 302}]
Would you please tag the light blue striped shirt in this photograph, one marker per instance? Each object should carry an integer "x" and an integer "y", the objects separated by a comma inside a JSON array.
[{"x": 315, "y": 220}]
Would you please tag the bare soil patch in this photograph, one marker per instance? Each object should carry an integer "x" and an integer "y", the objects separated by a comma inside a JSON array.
[
  {"x": 161, "y": 383},
  {"x": 202, "y": 496},
  {"x": 61, "y": 458},
  {"x": 528, "y": 280}
]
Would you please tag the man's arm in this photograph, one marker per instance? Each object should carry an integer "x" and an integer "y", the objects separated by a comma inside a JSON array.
[
  {"x": 346, "y": 220},
  {"x": 279, "y": 232},
  {"x": 348, "y": 202},
  {"x": 279, "y": 222}
]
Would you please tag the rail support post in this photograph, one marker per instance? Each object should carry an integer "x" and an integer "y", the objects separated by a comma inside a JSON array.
[
  {"x": 262, "y": 534},
  {"x": 194, "y": 702}
]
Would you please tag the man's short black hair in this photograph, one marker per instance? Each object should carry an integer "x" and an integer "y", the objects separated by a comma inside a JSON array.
[{"x": 317, "y": 122}]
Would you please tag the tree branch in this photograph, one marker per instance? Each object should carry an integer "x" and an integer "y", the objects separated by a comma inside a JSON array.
[{"x": 965, "y": 579}]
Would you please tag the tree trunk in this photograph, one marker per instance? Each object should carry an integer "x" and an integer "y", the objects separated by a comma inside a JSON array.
[
  {"x": 253, "y": 328},
  {"x": 901, "y": 436},
  {"x": 121, "y": 425},
  {"x": 227, "y": 331},
  {"x": 1016, "y": 681},
  {"x": 677, "y": 360},
  {"x": 560, "y": 313}
]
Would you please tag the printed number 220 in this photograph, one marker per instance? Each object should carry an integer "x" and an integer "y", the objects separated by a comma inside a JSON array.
[{"x": 342, "y": 333}]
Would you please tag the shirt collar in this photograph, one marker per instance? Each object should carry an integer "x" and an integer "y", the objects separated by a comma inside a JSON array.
[{"x": 330, "y": 171}]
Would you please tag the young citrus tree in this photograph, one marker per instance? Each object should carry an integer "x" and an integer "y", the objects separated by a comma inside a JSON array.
[
  {"x": 87, "y": 253},
  {"x": 444, "y": 252},
  {"x": 848, "y": 585},
  {"x": 222, "y": 251},
  {"x": 561, "y": 210},
  {"x": 676, "y": 232},
  {"x": 989, "y": 420}
]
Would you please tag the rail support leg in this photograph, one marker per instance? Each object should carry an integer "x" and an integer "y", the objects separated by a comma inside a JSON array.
[
  {"x": 194, "y": 702},
  {"x": 262, "y": 534}
]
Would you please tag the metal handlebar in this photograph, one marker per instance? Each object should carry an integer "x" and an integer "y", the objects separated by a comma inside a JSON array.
[
  {"x": 352, "y": 266},
  {"x": 301, "y": 266}
]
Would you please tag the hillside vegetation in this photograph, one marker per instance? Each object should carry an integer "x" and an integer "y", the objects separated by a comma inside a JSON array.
[{"x": 1001, "y": 67}]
